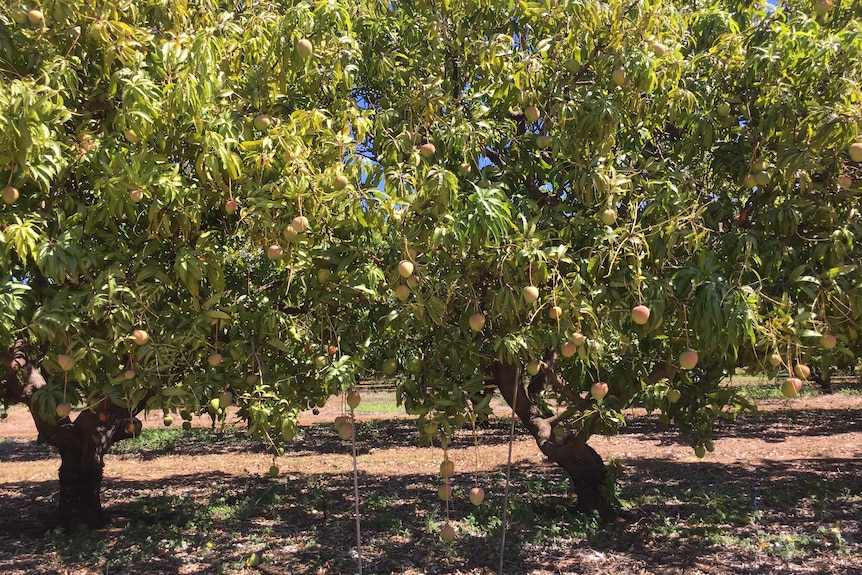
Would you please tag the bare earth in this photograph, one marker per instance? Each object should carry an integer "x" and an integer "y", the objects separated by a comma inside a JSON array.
[{"x": 809, "y": 449}]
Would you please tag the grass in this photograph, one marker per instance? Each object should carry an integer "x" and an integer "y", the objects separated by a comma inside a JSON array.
[
  {"x": 761, "y": 387},
  {"x": 797, "y": 516},
  {"x": 772, "y": 390},
  {"x": 381, "y": 402},
  {"x": 158, "y": 441},
  {"x": 740, "y": 379}
]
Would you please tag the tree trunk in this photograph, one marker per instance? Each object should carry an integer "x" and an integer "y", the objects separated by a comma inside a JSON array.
[
  {"x": 587, "y": 471},
  {"x": 570, "y": 452},
  {"x": 822, "y": 379},
  {"x": 81, "y": 481},
  {"x": 82, "y": 444}
]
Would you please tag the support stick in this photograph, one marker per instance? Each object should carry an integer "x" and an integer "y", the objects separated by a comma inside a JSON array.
[
  {"x": 508, "y": 479},
  {"x": 356, "y": 497}
]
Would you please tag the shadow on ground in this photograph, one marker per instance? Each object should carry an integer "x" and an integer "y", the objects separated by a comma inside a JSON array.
[
  {"x": 25, "y": 450},
  {"x": 772, "y": 426},
  {"x": 796, "y": 516}
]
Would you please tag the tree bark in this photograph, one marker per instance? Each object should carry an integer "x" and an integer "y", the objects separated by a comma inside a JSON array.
[
  {"x": 80, "y": 475},
  {"x": 571, "y": 452},
  {"x": 82, "y": 444},
  {"x": 82, "y": 460}
]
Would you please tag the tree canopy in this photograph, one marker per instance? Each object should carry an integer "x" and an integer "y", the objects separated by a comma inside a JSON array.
[{"x": 242, "y": 180}]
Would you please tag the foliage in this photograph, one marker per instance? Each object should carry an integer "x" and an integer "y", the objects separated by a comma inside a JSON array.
[{"x": 717, "y": 132}]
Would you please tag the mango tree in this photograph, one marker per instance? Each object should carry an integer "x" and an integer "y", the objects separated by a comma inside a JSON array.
[
  {"x": 585, "y": 205},
  {"x": 170, "y": 197},
  {"x": 658, "y": 193}
]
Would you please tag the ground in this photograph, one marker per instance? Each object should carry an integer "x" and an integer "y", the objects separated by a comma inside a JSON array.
[{"x": 781, "y": 494}]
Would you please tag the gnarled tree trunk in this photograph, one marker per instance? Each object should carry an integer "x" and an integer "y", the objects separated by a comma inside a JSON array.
[
  {"x": 80, "y": 483},
  {"x": 82, "y": 451},
  {"x": 82, "y": 444},
  {"x": 570, "y": 452}
]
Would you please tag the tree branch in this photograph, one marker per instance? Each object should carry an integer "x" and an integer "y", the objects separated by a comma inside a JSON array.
[{"x": 549, "y": 369}]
